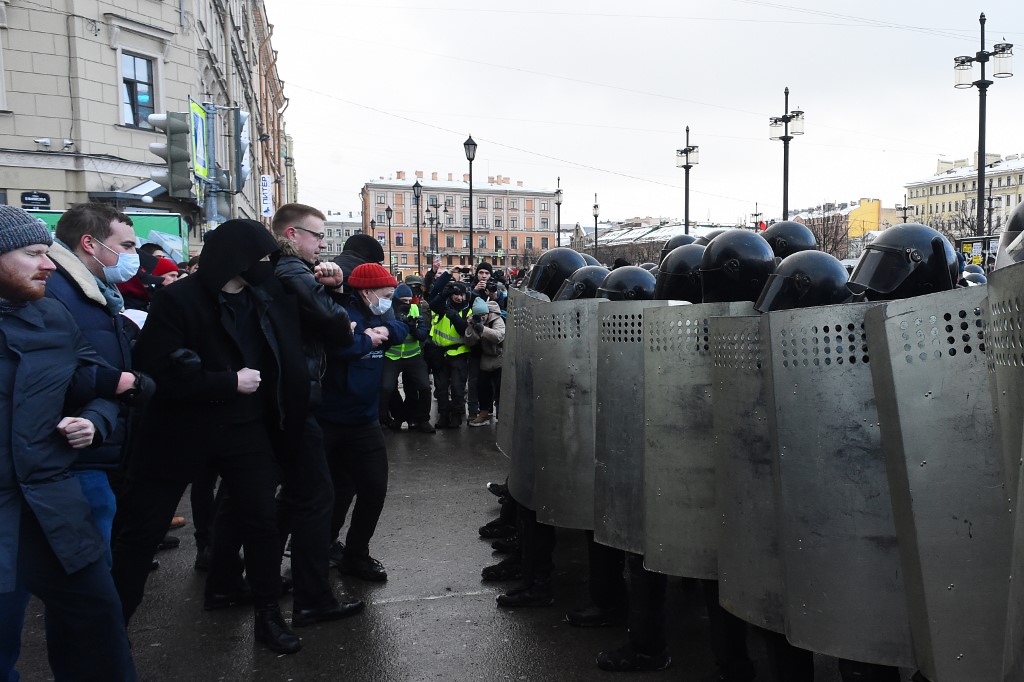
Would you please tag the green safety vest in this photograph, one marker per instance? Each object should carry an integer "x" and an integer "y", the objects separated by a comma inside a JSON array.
[
  {"x": 444, "y": 334},
  {"x": 409, "y": 348}
]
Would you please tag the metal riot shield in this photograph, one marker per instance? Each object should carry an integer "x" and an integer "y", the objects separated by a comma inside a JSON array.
[
  {"x": 1004, "y": 332},
  {"x": 844, "y": 592},
  {"x": 515, "y": 424},
  {"x": 945, "y": 477},
  {"x": 565, "y": 363},
  {"x": 680, "y": 523},
  {"x": 619, "y": 426},
  {"x": 749, "y": 565}
]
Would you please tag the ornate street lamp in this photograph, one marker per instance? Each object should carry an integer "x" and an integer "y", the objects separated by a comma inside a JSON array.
[
  {"x": 470, "y": 147},
  {"x": 597, "y": 212},
  {"x": 391, "y": 261},
  {"x": 686, "y": 158},
  {"x": 785, "y": 128},
  {"x": 558, "y": 217},
  {"x": 417, "y": 192}
]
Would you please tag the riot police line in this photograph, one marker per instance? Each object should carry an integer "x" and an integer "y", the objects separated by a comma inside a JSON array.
[{"x": 836, "y": 454}]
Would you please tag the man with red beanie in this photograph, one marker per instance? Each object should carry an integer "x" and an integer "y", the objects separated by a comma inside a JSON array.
[{"x": 350, "y": 417}]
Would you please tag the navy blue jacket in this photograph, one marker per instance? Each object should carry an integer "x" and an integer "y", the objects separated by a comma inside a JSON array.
[
  {"x": 74, "y": 286},
  {"x": 351, "y": 386}
]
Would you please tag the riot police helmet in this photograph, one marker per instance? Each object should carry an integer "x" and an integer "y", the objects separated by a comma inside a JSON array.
[
  {"x": 735, "y": 267},
  {"x": 648, "y": 266},
  {"x": 787, "y": 237},
  {"x": 805, "y": 279},
  {"x": 628, "y": 283},
  {"x": 674, "y": 243},
  {"x": 974, "y": 268},
  {"x": 582, "y": 284},
  {"x": 706, "y": 239},
  {"x": 679, "y": 275},
  {"x": 974, "y": 279},
  {"x": 908, "y": 259},
  {"x": 552, "y": 269},
  {"x": 590, "y": 259}
]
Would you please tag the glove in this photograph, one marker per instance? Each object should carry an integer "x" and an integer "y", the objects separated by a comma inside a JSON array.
[
  {"x": 186, "y": 361},
  {"x": 141, "y": 392},
  {"x": 478, "y": 327}
]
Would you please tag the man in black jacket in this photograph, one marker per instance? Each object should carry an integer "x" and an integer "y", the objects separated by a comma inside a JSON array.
[
  {"x": 306, "y": 502},
  {"x": 225, "y": 351}
]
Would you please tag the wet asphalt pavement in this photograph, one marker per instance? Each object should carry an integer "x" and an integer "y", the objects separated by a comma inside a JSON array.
[{"x": 432, "y": 620}]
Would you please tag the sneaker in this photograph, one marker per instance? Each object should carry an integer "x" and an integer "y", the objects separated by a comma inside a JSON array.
[
  {"x": 496, "y": 529},
  {"x": 364, "y": 567},
  {"x": 593, "y": 616},
  {"x": 628, "y": 659},
  {"x": 423, "y": 427},
  {"x": 337, "y": 554},
  {"x": 506, "y": 545},
  {"x": 482, "y": 419},
  {"x": 202, "y": 562},
  {"x": 509, "y": 568},
  {"x": 497, "y": 489},
  {"x": 535, "y": 594}
]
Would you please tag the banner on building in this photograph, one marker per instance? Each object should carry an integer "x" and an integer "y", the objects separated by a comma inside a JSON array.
[{"x": 266, "y": 196}]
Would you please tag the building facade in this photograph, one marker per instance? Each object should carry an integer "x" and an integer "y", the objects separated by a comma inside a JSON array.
[
  {"x": 842, "y": 229},
  {"x": 80, "y": 78},
  {"x": 948, "y": 200},
  {"x": 512, "y": 224}
]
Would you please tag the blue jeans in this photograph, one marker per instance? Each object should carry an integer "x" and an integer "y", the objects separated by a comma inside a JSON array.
[{"x": 13, "y": 604}]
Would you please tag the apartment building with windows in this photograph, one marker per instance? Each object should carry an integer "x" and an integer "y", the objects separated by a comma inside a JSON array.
[
  {"x": 339, "y": 226},
  {"x": 80, "y": 78},
  {"x": 947, "y": 200},
  {"x": 512, "y": 224}
]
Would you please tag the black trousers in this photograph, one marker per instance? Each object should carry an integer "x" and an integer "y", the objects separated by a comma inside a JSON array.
[
  {"x": 415, "y": 382},
  {"x": 489, "y": 388},
  {"x": 358, "y": 461},
  {"x": 537, "y": 544},
  {"x": 250, "y": 475},
  {"x": 201, "y": 497},
  {"x": 646, "y": 616},
  {"x": 450, "y": 378},
  {"x": 85, "y": 629},
  {"x": 606, "y": 582}
]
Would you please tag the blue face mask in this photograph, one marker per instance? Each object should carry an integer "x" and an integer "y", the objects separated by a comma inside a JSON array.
[
  {"x": 122, "y": 271},
  {"x": 381, "y": 306}
]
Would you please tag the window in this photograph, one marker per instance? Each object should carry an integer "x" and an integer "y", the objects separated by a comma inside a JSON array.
[
  {"x": 465, "y": 221},
  {"x": 465, "y": 241},
  {"x": 529, "y": 243},
  {"x": 513, "y": 204},
  {"x": 433, "y": 200},
  {"x": 497, "y": 243},
  {"x": 329, "y": 233},
  {"x": 449, "y": 241},
  {"x": 481, "y": 242},
  {"x": 450, "y": 260},
  {"x": 380, "y": 218},
  {"x": 481, "y": 203},
  {"x": 382, "y": 198},
  {"x": 497, "y": 222},
  {"x": 513, "y": 243},
  {"x": 513, "y": 223},
  {"x": 399, "y": 239},
  {"x": 481, "y": 221},
  {"x": 415, "y": 240},
  {"x": 449, "y": 220},
  {"x": 529, "y": 204},
  {"x": 543, "y": 223},
  {"x": 405, "y": 259},
  {"x": 497, "y": 202},
  {"x": 543, "y": 205},
  {"x": 544, "y": 244},
  {"x": 448, "y": 202},
  {"x": 137, "y": 91},
  {"x": 399, "y": 199},
  {"x": 465, "y": 202},
  {"x": 382, "y": 237}
]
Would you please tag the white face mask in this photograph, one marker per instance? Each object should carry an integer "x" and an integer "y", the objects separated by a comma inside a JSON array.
[
  {"x": 123, "y": 270},
  {"x": 382, "y": 306}
]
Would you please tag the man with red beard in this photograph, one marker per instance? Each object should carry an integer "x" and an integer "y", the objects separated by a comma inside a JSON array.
[{"x": 50, "y": 545}]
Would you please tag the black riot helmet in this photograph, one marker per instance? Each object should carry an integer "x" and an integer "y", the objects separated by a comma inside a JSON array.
[
  {"x": 590, "y": 259},
  {"x": 706, "y": 239},
  {"x": 805, "y": 279},
  {"x": 735, "y": 267},
  {"x": 973, "y": 279},
  {"x": 674, "y": 243},
  {"x": 908, "y": 259},
  {"x": 628, "y": 283},
  {"x": 787, "y": 237},
  {"x": 679, "y": 275},
  {"x": 552, "y": 269},
  {"x": 582, "y": 284},
  {"x": 974, "y": 268},
  {"x": 648, "y": 266}
]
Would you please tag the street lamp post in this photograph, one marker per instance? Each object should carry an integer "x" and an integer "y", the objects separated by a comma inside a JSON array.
[
  {"x": 789, "y": 124},
  {"x": 905, "y": 209},
  {"x": 391, "y": 261},
  {"x": 993, "y": 202},
  {"x": 597, "y": 212},
  {"x": 558, "y": 215},
  {"x": 686, "y": 158},
  {"x": 417, "y": 192},
  {"x": 1002, "y": 67},
  {"x": 373, "y": 227},
  {"x": 470, "y": 147}
]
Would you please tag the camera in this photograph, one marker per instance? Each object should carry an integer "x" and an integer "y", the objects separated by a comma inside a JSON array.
[{"x": 491, "y": 286}]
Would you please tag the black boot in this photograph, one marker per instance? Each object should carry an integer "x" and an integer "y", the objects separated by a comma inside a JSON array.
[
  {"x": 271, "y": 629},
  {"x": 536, "y": 593},
  {"x": 443, "y": 419},
  {"x": 455, "y": 419}
]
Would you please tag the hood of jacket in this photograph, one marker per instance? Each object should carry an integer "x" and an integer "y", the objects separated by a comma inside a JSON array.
[{"x": 231, "y": 249}]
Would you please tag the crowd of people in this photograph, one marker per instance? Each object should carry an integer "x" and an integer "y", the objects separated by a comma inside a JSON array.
[{"x": 285, "y": 370}]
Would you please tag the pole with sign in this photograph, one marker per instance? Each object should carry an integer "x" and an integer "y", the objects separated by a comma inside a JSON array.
[{"x": 266, "y": 196}]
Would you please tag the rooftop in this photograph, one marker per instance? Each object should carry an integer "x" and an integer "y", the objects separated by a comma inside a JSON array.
[
  {"x": 491, "y": 183},
  {"x": 1011, "y": 164}
]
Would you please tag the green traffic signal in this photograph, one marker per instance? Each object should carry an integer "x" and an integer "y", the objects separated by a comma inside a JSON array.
[{"x": 176, "y": 151}]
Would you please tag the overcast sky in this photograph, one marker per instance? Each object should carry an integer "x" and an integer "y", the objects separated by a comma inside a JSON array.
[{"x": 599, "y": 93}]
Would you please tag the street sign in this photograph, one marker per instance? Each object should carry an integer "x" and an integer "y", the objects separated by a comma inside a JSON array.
[
  {"x": 266, "y": 196},
  {"x": 200, "y": 160},
  {"x": 35, "y": 199}
]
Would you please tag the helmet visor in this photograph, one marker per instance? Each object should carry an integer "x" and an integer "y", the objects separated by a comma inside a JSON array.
[
  {"x": 779, "y": 293},
  {"x": 569, "y": 291},
  {"x": 882, "y": 269}
]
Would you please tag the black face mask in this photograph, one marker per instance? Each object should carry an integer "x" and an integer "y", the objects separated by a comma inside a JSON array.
[{"x": 258, "y": 273}]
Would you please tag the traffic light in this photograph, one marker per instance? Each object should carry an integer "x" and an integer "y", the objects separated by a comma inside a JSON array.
[
  {"x": 223, "y": 202},
  {"x": 176, "y": 151},
  {"x": 243, "y": 161}
]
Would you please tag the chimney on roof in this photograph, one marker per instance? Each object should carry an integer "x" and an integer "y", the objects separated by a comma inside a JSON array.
[
  {"x": 507, "y": 180},
  {"x": 449, "y": 177},
  {"x": 419, "y": 174},
  {"x": 433, "y": 176},
  {"x": 519, "y": 183},
  {"x": 500, "y": 180},
  {"x": 400, "y": 175},
  {"x": 490, "y": 179},
  {"x": 465, "y": 177}
]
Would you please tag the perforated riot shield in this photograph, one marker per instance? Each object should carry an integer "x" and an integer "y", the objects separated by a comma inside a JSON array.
[
  {"x": 515, "y": 423},
  {"x": 619, "y": 431},
  {"x": 565, "y": 364},
  {"x": 1004, "y": 330},
  {"x": 844, "y": 591},
  {"x": 680, "y": 524},
  {"x": 749, "y": 565},
  {"x": 945, "y": 477}
]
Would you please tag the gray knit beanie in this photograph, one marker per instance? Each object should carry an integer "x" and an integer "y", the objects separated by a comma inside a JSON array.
[{"x": 19, "y": 228}]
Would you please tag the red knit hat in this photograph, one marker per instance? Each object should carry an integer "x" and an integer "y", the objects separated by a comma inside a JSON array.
[
  {"x": 163, "y": 266},
  {"x": 371, "y": 276}
]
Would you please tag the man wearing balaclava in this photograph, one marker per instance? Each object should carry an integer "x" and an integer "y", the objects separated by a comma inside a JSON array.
[{"x": 224, "y": 349}]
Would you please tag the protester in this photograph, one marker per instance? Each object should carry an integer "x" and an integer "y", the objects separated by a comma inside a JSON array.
[
  {"x": 486, "y": 331},
  {"x": 406, "y": 360},
  {"x": 448, "y": 353}
]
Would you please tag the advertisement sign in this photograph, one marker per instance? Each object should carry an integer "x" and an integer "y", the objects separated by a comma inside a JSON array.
[
  {"x": 266, "y": 196},
  {"x": 197, "y": 123}
]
